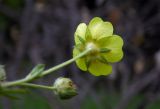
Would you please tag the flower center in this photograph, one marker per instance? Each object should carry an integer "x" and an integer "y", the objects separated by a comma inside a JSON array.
[{"x": 93, "y": 47}]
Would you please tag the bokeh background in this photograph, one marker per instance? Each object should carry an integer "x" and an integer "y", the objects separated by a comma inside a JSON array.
[{"x": 42, "y": 31}]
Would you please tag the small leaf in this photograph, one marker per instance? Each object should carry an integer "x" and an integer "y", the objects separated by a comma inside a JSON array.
[
  {"x": 36, "y": 71},
  {"x": 2, "y": 73},
  {"x": 10, "y": 93}
]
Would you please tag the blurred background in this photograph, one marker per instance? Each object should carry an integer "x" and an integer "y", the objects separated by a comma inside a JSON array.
[{"x": 42, "y": 31}]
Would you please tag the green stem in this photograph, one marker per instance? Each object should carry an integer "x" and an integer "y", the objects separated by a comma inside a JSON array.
[
  {"x": 64, "y": 63},
  {"x": 13, "y": 83},
  {"x": 37, "y": 86},
  {"x": 17, "y": 82}
]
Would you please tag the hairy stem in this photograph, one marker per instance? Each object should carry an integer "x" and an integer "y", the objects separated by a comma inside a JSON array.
[
  {"x": 17, "y": 82},
  {"x": 64, "y": 63},
  {"x": 36, "y": 86}
]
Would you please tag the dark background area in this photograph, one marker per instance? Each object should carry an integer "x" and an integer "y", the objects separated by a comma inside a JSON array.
[{"x": 42, "y": 31}]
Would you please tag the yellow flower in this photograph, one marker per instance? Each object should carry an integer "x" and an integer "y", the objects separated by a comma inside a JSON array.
[{"x": 106, "y": 48}]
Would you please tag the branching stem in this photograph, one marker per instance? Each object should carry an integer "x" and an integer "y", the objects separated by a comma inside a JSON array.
[{"x": 46, "y": 72}]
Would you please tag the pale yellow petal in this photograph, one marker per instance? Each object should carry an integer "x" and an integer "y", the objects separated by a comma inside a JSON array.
[
  {"x": 80, "y": 32},
  {"x": 97, "y": 68},
  {"x": 81, "y": 61},
  {"x": 114, "y": 43},
  {"x": 100, "y": 29}
]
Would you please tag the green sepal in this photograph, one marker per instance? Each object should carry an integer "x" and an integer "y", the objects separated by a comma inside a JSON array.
[
  {"x": 104, "y": 50},
  {"x": 81, "y": 39},
  {"x": 80, "y": 31},
  {"x": 36, "y": 71},
  {"x": 79, "y": 47},
  {"x": 68, "y": 95},
  {"x": 103, "y": 60},
  {"x": 87, "y": 62},
  {"x": 88, "y": 34}
]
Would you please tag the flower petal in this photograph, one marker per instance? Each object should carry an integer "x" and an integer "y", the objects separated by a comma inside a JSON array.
[
  {"x": 114, "y": 43},
  {"x": 99, "y": 28},
  {"x": 97, "y": 68},
  {"x": 81, "y": 64},
  {"x": 81, "y": 61},
  {"x": 80, "y": 32}
]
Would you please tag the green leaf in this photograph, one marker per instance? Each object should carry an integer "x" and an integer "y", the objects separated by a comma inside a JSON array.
[
  {"x": 136, "y": 102},
  {"x": 31, "y": 101},
  {"x": 11, "y": 93},
  {"x": 37, "y": 70},
  {"x": 153, "y": 105},
  {"x": 2, "y": 73},
  {"x": 89, "y": 103},
  {"x": 9, "y": 96}
]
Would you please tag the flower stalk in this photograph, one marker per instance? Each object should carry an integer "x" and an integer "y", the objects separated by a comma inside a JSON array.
[
  {"x": 37, "y": 86},
  {"x": 46, "y": 72},
  {"x": 65, "y": 63}
]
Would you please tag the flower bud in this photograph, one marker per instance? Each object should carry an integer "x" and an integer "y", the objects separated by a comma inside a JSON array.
[{"x": 65, "y": 88}]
